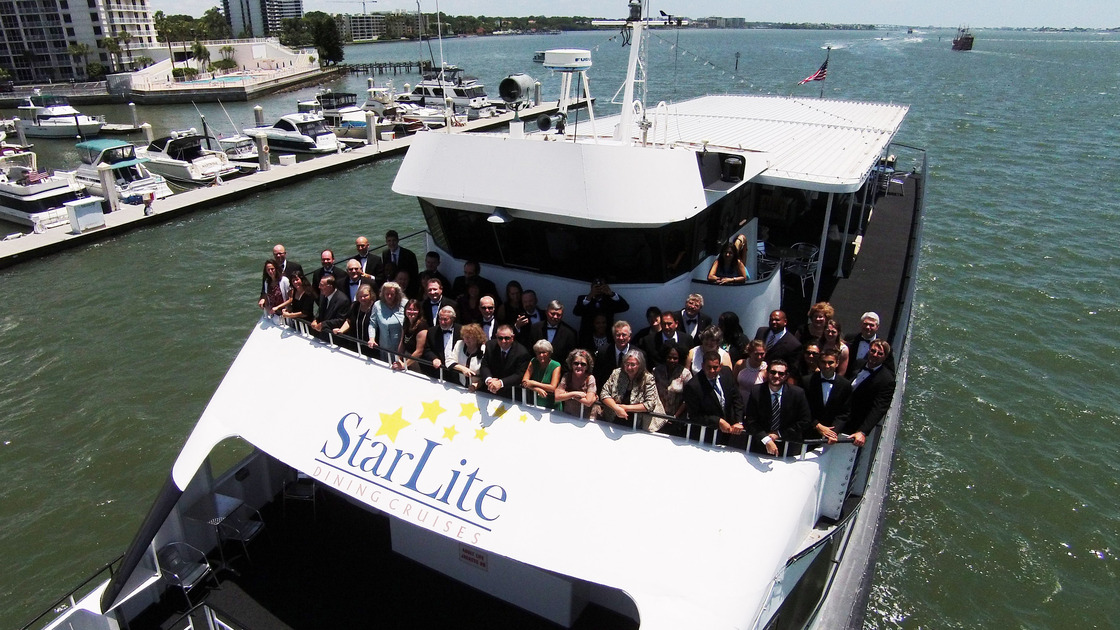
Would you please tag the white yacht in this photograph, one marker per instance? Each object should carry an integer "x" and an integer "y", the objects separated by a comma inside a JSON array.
[
  {"x": 551, "y": 519},
  {"x": 305, "y": 132},
  {"x": 133, "y": 180},
  {"x": 381, "y": 100},
  {"x": 31, "y": 197},
  {"x": 181, "y": 158},
  {"x": 467, "y": 95},
  {"x": 240, "y": 149},
  {"x": 50, "y": 116}
]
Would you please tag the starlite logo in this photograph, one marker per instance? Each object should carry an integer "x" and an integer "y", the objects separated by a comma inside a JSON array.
[{"x": 407, "y": 473}]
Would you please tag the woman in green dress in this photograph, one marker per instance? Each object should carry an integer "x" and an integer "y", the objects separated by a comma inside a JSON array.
[{"x": 543, "y": 375}]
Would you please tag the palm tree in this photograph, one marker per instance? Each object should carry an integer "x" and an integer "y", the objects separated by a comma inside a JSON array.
[
  {"x": 80, "y": 51},
  {"x": 201, "y": 55},
  {"x": 126, "y": 38},
  {"x": 227, "y": 52},
  {"x": 113, "y": 47}
]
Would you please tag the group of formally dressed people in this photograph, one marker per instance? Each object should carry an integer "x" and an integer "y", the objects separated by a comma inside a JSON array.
[{"x": 681, "y": 369}]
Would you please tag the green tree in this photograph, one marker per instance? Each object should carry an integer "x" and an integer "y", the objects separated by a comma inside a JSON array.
[
  {"x": 213, "y": 25},
  {"x": 80, "y": 52},
  {"x": 126, "y": 38},
  {"x": 95, "y": 70},
  {"x": 325, "y": 36},
  {"x": 113, "y": 47},
  {"x": 201, "y": 54},
  {"x": 227, "y": 52}
]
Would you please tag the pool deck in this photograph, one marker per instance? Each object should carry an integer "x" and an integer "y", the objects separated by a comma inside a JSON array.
[{"x": 128, "y": 217}]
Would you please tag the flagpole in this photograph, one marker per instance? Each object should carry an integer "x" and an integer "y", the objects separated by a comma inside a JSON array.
[{"x": 826, "y": 56}]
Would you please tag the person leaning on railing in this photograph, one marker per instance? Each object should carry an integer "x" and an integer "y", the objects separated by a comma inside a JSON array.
[
  {"x": 632, "y": 390},
  {"x": 577, "y": 389},
  {"x": 302, "y": 306}
]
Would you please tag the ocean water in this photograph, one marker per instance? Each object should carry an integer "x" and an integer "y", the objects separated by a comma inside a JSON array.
[{"x": 1004, "y": 507}]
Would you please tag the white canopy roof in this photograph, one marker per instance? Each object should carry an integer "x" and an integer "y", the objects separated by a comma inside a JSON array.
[
  {"x": 582, "y": 183},
  {"x": 814, "y": 144},
  {"x": 694, "y": 535}
]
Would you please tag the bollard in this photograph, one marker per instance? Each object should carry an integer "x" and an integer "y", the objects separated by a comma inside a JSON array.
[
  {"x": 109, "y": 186},
  {"x": 262, "y": 151},
  {"x": 536, "y": 94},
  {"x": 371, "y": 128},
  {"x": 258, "y": 115},
  {"x": 149, "y": 136},
  {"x": 19, "y": 131},
  {"x": 369, "y": 82},
  {"x": 135, "y": 116},
  {"x": 448, "y": 112}
]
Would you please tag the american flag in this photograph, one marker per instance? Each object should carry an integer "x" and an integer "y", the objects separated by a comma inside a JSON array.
[{"x": 819, "y": 75}]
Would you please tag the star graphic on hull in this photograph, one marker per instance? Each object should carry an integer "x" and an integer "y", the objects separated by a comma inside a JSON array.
[{"x": 391, "y": 424}]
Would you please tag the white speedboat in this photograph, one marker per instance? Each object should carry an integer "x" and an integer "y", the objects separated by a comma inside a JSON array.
[
  {"x": 50, "y": 116},
  {"x": 134, "y": 182},
  {"x": 181, "y": 158},
  {"x": 381, "y": 100},
  {"x": 579, "y": 523},
  {"x": 240, "y": 149},
  {"x": 31, "y": 197},
  {"x": 467, "y": 95},
  {"x": 305, "y": 132}
]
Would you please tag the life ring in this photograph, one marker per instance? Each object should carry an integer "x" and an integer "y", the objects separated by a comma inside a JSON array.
[{"x": 266, "y": 148}]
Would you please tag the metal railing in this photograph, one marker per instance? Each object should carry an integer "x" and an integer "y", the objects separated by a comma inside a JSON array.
[{"x": 69, "y": 600}]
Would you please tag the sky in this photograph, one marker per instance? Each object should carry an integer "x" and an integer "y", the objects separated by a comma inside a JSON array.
[{"x": 945, "y": 13}]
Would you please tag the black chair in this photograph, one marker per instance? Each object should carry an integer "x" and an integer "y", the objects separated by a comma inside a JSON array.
[
  {"x": 243, "y": 524},
  {"x": 184, "y": 566},
  {"x": 301, "y": 488}
]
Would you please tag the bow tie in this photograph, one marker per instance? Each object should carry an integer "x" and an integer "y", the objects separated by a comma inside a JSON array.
[
  {"x": 353, "y": 282},
  {"x": 448, "y": 332},
  {"x": 828, "y": 380}
]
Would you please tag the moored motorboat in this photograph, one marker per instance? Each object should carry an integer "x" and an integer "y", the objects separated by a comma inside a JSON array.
[
  {"x": 240, "y": 149},
  {"x": 51, "y": 116},
  {"x": 467, "y": 94},
  {"x": 593, "y": 524},
  {"x": 133, "y": 181},
  {"x": 305, "y": 132},
  {"x": 29, "y": 196},
  {"x": 181, "y": 158}
]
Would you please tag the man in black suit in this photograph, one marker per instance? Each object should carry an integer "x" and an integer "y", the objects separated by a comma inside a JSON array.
[
  {"x": 780, "y": 342},
  {"x": 554, "y": 330},
  {"x": 670, "y": 332},
  {"x": 609, "y": 359},
  {"x": 329, "y": 269},
  {"x": 872, "y": 391},
  {"x": 371, "y": 265},
  {"x": 354, "y": 279},
  {"x": 471, "y": 271},
  {"x": 440, "y": 344},
  {"x": 776, "y": 410},
  {"x": 334, "y": 306},
  {"x": 530, "y": 313},
  {"x": 712, "y": 399},
  {"x": 402, "y": 259},
  {"x": 489, "y": 323},
  {"x": 431, "y": 270},
  {"x": 830, "y": 398},
  {"x": 504, "y": 363},
  {"x": 600, "y": 300},
  {"x": 433, "y": 300},
  {"x": 859, "y": 343},
  {"x": 693, "y": 319}
]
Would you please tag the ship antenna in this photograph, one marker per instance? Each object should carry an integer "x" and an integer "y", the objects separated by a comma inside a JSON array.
[{"x": 636, "y": 63}]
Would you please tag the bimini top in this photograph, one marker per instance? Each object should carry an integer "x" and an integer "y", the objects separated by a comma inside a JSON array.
[
  {"x": 694, "y": 535},
  {"x": 544, "y": 177},
  {"x": 813, "y": 144}
]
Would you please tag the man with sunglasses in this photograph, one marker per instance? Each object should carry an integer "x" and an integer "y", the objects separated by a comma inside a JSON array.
[
  {"x": 776, "y": 410},
  {"x": 504, "y": 363}
]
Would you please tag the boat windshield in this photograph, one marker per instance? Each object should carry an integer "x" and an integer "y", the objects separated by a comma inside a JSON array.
[
  {"x": 118, "y": 154},
  {"x": 313, "y": 128}
]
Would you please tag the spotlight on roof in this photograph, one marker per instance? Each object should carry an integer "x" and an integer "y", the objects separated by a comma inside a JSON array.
[{"x": 499, "y": 216}]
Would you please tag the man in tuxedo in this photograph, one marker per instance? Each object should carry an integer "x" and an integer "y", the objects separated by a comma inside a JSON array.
[
  {"x": 670, "y": 332},
  {"x": 609, "y": 359},
  {"x": 355, "y": 278},
  {"x": 504, "y": 363},
  {"x": 554, "y": 330},
  {"x": 693, "y": 318},
  {"x": 859, "y": 343},
  {"x": 440, "y": 344},
  {"x": 372, "y": 267},
  {"x": 471, "y": 271},
  {"x": 776, "y": 410},
  {"x": 872, "y": 391},
  {"x": 433, "y": 300},
  {"x": 600, "y": 300},
  {"x": 489, "y": 322},
  {"x": 830, "y": 398},
  {"x": 329, "y": 269},
  {"x": 402, "y": 259},
  {"x": 334, "y": 306},
  {"x": 712, "y": 399},
  {"x": 530, "y": 315},
  {"x": 431, "y": 270},
  {"x": 780, "y": 342}
]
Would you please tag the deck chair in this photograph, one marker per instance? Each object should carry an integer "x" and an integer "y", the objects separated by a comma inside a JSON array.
[
  {"x": 243, "y": 524},
  {"x": 898, "y": 179},
  {"x": 301, "y": 488},
  {"x": 184, "y": 566},
  {"x": 803, "y": 265}
]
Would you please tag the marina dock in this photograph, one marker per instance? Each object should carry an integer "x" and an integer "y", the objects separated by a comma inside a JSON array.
[{"x": 16, "y": 249}]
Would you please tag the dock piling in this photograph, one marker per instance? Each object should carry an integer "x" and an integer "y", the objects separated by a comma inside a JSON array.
[
  {"x": 135, "y": 116},
  {"x": 149, "y": 135},
  {"x": 109, "y": 186},
  {"x": 262, "y": 150},
  {"x": 371, "y": 128},
  {"x": 258, "y": 116},
  {"x": 20, "y": 132}
]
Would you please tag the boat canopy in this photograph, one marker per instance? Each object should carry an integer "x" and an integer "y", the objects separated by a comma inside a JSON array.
[
  {"x": 812, "y": 144},
  {"x": 603, "y": 184},
  {"x": 539, "y": 487}
]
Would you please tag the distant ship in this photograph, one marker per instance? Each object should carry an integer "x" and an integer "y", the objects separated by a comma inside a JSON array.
[{"x": 964, "y": 39}]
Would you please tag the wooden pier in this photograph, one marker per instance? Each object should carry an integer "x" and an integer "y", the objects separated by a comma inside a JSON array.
[
  {"x": 386, "y": 67},
  {"x": 27, "y": 247}
]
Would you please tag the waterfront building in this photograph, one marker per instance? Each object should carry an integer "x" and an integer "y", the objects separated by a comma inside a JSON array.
[
  {"x": 259, "y": 18},
  {"x": 38, "y": 35},
  {"x": 362, "y": 27}
]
